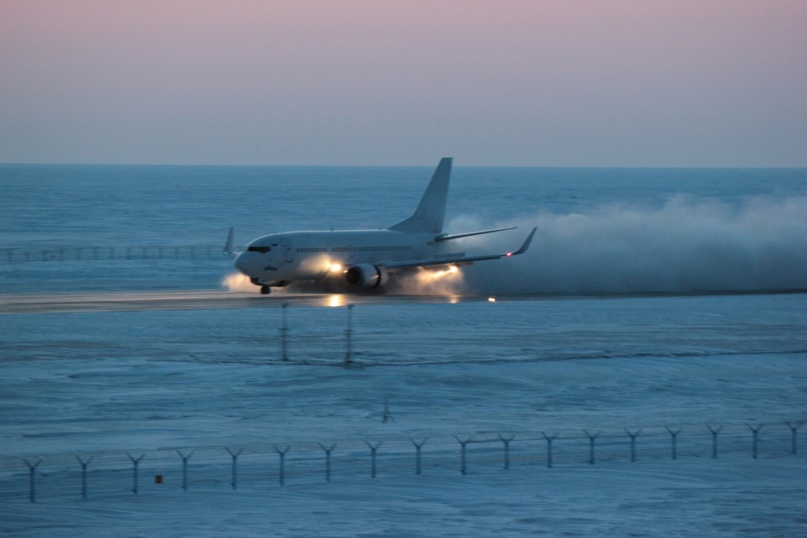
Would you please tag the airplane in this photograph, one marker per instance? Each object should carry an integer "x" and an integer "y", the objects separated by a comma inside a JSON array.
[{"x": 363, "y": 259}]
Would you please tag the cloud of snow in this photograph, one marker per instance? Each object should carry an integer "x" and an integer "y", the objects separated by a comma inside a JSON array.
[
  {"x": 687, "y": 246},
  {"x": 238, "y": 282}
]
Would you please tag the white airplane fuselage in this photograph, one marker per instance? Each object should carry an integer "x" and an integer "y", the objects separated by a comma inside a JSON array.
[
  {"x": 363, "y": 258},
  {"x": 315, "y": 255}
]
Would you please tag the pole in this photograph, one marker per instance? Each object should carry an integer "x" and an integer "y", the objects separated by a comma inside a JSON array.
[
  {"x": 506, "y": 441},
  {"x": 794, "y": 430},
  {"x": 714, "y": 432},
  {"x": 84, "y": 465},
  {"x": 348, "y": 336},
  {"x": 327, "y": 451},
  {"x": 549, "y": 439},
  {"x": 633, "y": 436},
  {"x": 234, "y": 456},
  {"x": 135, "y": 466},
  {"x": 282, "y": 454},
  {"x": 373, "y": 450},
  {"x": 418, "y": 447},
  {"x": 674, "y": 434},
  {"x": 185, "y": 458},
  {"x": 283, "y": 335},
  {"x": 32, "y": 479},
  {"x": 755, "y": 444},
  {"x": 591, "y": 438}
]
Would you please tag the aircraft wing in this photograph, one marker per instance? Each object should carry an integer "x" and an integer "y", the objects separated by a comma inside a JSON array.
[{"x": 450, "y": 259}]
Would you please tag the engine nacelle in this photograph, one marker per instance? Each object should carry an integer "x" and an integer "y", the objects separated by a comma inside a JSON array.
[{"x": 367, "y": 276}]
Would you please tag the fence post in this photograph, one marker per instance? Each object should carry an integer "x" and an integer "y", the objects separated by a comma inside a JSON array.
[
  {"x": 32, "y": 478},
  {"x": 348, "y": 338},
  {"x": 755, "y": 443},
  {"x": 714, "y": 432},
  {"x": 284, "y": 330},
  {"x": 328, "y": 451},
  {"x": 674, "y": 434},
  {"x": 185, "y": 458},
  {"x": 282, "y": 454},
  {"x": 234, "y": 456},
  {"x": 418, "y": 447},
  {"x": 373, "y": 450},
  {"x": 549, "y": 439},
  {"x": 794, "y": 428},
  {"x": 463, "y": 444},
  {"x": 387, "y": 416},
  {"x": 591, "y": 438},
  {"x": 633, "y": 436},
  {"x": 135, "y": 466},
  {"x": 84, "y": 465},
  {"x": 506, "y": 441}
]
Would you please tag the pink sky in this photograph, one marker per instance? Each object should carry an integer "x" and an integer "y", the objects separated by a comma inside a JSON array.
[{"x": 549, "y": 83}]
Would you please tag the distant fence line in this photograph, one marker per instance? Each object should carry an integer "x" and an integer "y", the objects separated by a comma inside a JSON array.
[
  {"x": 22, "y": 255},
  {"x": 110, "y": 472}
]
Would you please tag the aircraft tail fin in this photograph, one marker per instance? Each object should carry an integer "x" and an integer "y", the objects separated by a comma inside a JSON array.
[
  {"x": 228, "y": 246},
  {"x": 428, "y": 217}
]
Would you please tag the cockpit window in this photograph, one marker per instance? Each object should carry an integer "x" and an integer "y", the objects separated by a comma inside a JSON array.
[{"x": 259, "y": 249}]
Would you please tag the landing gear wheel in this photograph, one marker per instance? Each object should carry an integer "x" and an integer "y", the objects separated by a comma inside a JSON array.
[{"x": 265, "y": 290}]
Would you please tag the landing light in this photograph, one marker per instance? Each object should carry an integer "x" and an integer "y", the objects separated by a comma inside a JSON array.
[
  {"x": 335, "y": 268},
  {"x": 491, "y": 299}
]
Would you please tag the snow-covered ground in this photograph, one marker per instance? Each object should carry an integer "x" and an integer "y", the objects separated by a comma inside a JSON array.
[
  {"x": 161, "y": 384},
  {"x": 105, "y": 385},
  {"x": 735, "y": 496}
]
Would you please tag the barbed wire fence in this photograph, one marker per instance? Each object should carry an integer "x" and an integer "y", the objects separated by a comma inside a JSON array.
[{"x": 88, "y": 475}]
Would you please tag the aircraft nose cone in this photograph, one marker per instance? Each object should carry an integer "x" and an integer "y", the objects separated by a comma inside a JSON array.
[{"x": 241, "y": 263}]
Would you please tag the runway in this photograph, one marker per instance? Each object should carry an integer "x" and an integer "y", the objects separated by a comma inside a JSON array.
[
  {"x": 124, "y": 301},
  {"x": 197, "y": 300}
]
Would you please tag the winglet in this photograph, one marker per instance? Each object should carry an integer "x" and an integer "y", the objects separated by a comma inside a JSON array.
[{"x": 525, "y": 246}]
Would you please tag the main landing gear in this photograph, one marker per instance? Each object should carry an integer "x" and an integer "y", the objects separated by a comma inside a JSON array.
[{"x": 266, "y": 289}]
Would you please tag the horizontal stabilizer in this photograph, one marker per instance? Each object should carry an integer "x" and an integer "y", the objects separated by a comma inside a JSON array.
[{"x": 470, "y": 234}]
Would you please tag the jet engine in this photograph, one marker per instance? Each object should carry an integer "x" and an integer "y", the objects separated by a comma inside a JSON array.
[{"x": 367, "y": 276}]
